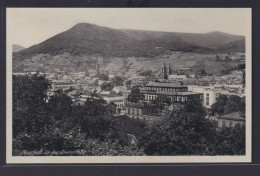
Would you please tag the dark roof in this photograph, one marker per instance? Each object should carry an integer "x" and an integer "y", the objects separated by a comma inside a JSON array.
[
  {"x": 156, "y": 84},
  {"x": 233, "y": 116},
  {"x": 172, "y": 93}
]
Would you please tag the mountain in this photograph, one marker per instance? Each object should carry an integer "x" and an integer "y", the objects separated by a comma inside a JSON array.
[
  {"x": 90, "y": 39},
  {"x": 16, "y": 48},
  {"x": 235, "y": 46}
]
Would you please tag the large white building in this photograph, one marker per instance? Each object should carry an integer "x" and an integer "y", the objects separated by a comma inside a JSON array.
[
  {"x": 210, "y": 94},
  {"x": 177, "y": 93}
]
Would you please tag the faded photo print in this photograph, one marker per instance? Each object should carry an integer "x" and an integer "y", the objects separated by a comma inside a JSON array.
[{"x": 128, "y": 85}]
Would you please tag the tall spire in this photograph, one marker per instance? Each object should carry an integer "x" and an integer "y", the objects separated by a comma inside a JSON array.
[
  {"x": 164, "y": 72},
  {"x": 170, "y": 69}
]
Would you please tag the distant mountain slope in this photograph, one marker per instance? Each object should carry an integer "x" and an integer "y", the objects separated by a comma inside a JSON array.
[
  {"x": 89, "y": 39},
  {"x": 235, "y": 46},
  {"x": 16, "y": 48},
  {"x": 209, "y": 40}
]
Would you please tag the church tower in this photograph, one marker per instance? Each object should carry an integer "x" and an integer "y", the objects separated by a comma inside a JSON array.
[
  {"x": 170, "y": 69},
  {"x": 164, "y": 72}
]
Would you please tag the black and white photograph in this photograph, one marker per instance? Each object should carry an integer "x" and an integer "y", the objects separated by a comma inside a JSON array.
[{"x": 128, "y": 85}]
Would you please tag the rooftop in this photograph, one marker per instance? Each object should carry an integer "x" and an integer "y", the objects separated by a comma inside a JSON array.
[
  {"x": 156, "y": 84},
  {"x": 232, "y": 116},
  {"x": 170, "y": 93}
]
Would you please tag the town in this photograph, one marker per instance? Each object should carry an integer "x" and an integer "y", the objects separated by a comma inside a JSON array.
[{"x": 137, "y": 96}]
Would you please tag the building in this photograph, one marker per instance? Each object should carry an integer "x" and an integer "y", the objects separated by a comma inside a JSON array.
[
  {"x": 177, "y": 77},
  {"x": 210, "y": 94},
  {"x": 230, "y": 120},
  {"x": 165, "y": 72},
  {"x": 64, "y": 85},
  {"x": 142, "y": 111},
  {"x": 118, "y": 100},
  {"x": 177, "y": 93},
  {"x": 119, "y": 89}
]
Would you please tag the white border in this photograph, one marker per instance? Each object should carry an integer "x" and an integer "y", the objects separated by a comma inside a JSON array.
[{"x": 130, "y": 159}]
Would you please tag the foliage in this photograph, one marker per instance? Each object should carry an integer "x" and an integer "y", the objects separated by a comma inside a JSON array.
[
  {"x": 107, "y": 86},
  {"x": 29, "y": 107},
  {"x": 103, "y": 77},
  {"x": 60, "y": 105},
  {"x": 59, "y": 127},
  {"x": 231, "y": 141},
  {"x": 217, "y": 58},
  {"x": 126, "y": 125},
  {"x": 118, "y": 81},
  {"x": 183, "y": 133},
  {"x": 135, "y": 95},
  {"x": 194, "y": 106},
  {"x": 147, "y": 73},
  {"x": 226, "y": 105},
  {"x": 56, "y": 141},
  {"x": 227, "y": 58},
  {"x": 128, "y": 82},
  {"x": 234, "y": 104},
  {"x": 218, "y": 107},
  {"x": 162, "y": 100}
]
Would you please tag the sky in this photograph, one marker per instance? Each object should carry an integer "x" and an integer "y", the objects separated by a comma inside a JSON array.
[{"x": 30, "y": 26}]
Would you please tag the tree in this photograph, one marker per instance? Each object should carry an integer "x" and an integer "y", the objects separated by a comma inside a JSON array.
[
  {"x": 233, "y": 105},
  {"x": 183, "y": 133},
  {"x": 128, "y": 82},
  {"x": 219, "y": 106},
  {"x": 194, "y": 106},
  {"x": 103, "y": 77},
  {"x": 227, "y": 58},
  {"x": 135, "y": 95},
  {"x": 29, "y": 103},
  {"x": 162, "y": 100},
  {"x": 60, "y": 105},
  {"x": 118, "y": 81},
  {"x": 217, "y": 58},
  {"x": 231, "y": 141},
  {"x": 107, "y": 86},
  {"x": 95, "y": 106}
]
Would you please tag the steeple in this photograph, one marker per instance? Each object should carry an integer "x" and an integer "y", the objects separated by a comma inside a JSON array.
[
  {"x": 164, "y": 72},
  {"x": 170, "y": 69}
]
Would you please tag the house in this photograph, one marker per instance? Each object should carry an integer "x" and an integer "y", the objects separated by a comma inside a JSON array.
[
  {"x": 230, "y": 120},
  {"x": 118, "y": 100},
  {"x": 142, "y": 111},
  {"x": 118, "y": 89},
  {"x": 64, "y": 85},
  {"x": 180, "y": 77}
]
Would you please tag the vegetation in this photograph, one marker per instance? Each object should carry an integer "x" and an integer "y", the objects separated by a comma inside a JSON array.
[
  {"x": 103, "y": 77},
  {"x": 107, "y": 86},
  {"x": 118, "y": 81},
  {"x": 56, "y": 126},
  {"x": 188, "y": 132},
  {"x": 162, "y": 100},
  {"x": 226, "y": 105},
  {"x": 135, "y": 95}
]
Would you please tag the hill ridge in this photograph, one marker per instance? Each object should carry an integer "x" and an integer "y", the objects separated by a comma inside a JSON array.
[{"x": 92, "y": 39}]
